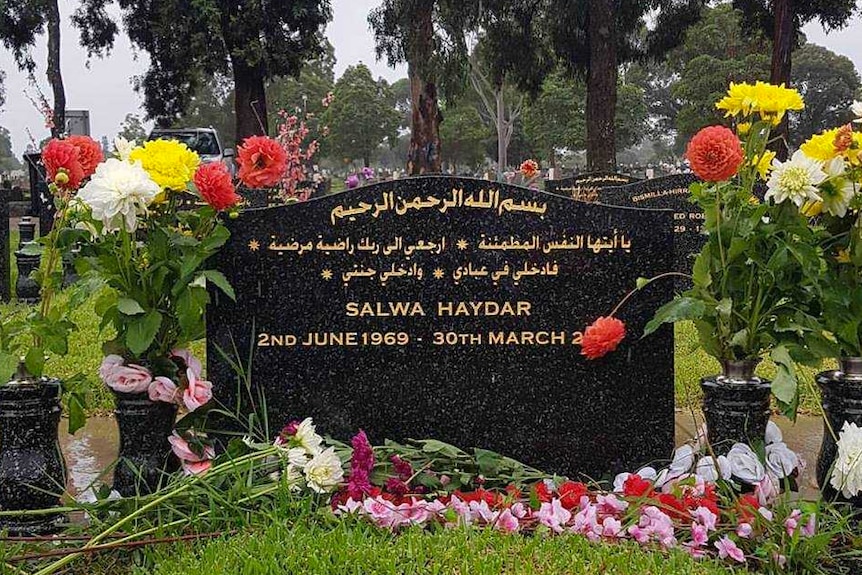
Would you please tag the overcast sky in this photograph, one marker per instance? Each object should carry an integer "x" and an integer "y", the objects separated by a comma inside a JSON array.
[{"x": 105, "y": 87}]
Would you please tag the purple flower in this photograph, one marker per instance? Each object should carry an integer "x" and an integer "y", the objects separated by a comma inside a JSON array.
[
  {"x": 361, "y": 465},
  {"x": 367, "y": 173},
  {"x": 352, "y": 181}
]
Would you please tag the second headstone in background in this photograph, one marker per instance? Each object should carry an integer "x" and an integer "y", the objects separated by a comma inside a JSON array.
[{"x": 586, "y": 187}]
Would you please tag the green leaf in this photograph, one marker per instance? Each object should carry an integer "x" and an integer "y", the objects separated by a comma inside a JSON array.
[
  {"x": 784, "y": 384},
  {"x": 8, "y": 364},
  {"x": 218, "y": 279},
  {"x": 77, "y": 408},
  {"x": 725, "y": 307},
  {"x": 739, "y": 338},
  {"x": 104, "y": 302},
  {"x": 191, "y": 305},
  {"x": 35, "y": 361},
  {"x": 642, "y": 283},
  {"x": 679, "y": 309},
  {"x": 142, "y": 331},
  {"x": 700, "y": 272},
  {"x": 128, "y": 306}
]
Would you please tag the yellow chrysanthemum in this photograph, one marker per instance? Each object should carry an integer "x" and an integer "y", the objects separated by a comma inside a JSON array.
[
  {"x": 743, "y": 128},
  {"x": 821, "y": 146},
  {"x": 170, "y": 164},
  {"x": 843, "y": 257},
  {"x": 764, "y": 163},
  {"x": 769, "y": 101}
]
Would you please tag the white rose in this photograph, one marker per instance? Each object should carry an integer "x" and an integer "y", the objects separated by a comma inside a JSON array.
[
  {"x": 745, "y": 465},
  {"x": 708, "y": 471},
  {"x": 847, "y": 472},
  {"x": 773, "y": 433},
  {"x": 323, "y": 473},
  {"x": 683, "y": 459},
  {"x": 781, "y": 461}
]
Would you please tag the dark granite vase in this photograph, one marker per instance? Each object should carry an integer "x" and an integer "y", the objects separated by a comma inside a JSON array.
[
  {"x": 735, "y": 405},
  {"x": 145, "y": 453},
  {"x": 32, "y": 469},
  {"x": 842, "y": 402}
]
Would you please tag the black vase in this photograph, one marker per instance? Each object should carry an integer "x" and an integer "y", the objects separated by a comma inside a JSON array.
[
  {"x": 32, "y": 469},
  {"x": 735, "y": 405},
  {"x": 842, "y": 402},
  {"x": 145, "y": 453}
]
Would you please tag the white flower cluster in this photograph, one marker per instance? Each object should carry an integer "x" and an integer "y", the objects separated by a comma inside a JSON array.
[
  {"x": 847, "y": 472},
  {"x": 119, "y": 192},
  {"x": 308, "y": 462},
  {"x": 741, "y": 464}
]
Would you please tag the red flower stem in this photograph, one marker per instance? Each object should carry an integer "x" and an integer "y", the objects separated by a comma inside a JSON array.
[{"x": 651, "y": 280}]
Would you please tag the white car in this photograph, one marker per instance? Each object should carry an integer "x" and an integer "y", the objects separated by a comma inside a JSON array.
[{"x": 204, "y": 141}]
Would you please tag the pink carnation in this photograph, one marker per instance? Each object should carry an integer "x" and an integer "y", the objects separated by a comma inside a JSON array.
[{"x": 727, "y": 548}]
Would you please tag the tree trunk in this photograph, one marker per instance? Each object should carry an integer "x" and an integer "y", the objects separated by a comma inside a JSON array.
[
  {"x": 784, "y": 38},
  {"x": 602, "y": 87},
  {"x": 423, "y": 156},
  {"x": 55, "y": 77},
  {"x": 502, "y": 139},
  {"x": 249, "y": 101}
]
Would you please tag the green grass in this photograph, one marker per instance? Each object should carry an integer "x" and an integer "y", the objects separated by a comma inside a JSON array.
[{"x": 358, "y": 549}]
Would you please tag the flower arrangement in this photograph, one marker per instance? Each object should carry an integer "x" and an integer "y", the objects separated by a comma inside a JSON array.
[
  {"x": 846, "y": 475},
  {"x": 528, "y": 172},
  {"x": 754, "y": 280},
  {"x": 152, "y": 254},
  {"x": 69, "y": 163}
]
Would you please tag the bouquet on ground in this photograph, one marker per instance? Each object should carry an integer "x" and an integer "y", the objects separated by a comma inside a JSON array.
[
  {"x": 151, "y": 250},
  {"x": 755, "y": 279}
]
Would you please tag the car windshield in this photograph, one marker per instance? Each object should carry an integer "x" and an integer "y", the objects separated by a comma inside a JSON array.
[{"x": 203, "y": 143}]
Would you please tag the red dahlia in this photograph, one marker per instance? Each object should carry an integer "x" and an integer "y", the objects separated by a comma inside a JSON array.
[
  {"x": 216, "y": 186},
  {"x": 602, "y": 337},
  {"x": 715, "y": 154},
  {"x": 262, "y": 162},
  {"x": 61, "y": 157},
  {"x": 89, "y": 153}
]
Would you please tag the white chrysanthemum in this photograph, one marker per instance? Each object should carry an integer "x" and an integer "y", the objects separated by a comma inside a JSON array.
[
  {"x": 856, "y": 108},
  {"x": 118, "y": 193},
  {"x": 123, "y": 147},
  {"x": 773, "y": 433},
  {"x": 796, "y": 180},
  {"x": 323, "y": 473},
  {"x": 847, "y": 473},
  {"x": 838, "y": 191},
  {"x": 307, "y": 438}
]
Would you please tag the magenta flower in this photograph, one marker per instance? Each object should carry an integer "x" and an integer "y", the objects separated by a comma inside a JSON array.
[
  {"x": 361, "y": 465},
  {"x": 352, "y": 181},
  {"x": 727, "y": 548},
  {"x": 402, "y": 468}
]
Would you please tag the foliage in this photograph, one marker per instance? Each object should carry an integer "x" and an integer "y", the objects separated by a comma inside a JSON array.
[
  {"x": 361, "y": 117},
  {"x": 829, "y": 84},
  {"x": 556, "y": 118},
  {"x": 191, "y": 41},
  {"x": 8, "y": 161},
  {"x": 305, "y": 93},
  {"x": 132, "y": 129},
  {"x": 759, "y": 18},
  {"x": 464, "y": 133},
  {"x": 714, "y": 54}
]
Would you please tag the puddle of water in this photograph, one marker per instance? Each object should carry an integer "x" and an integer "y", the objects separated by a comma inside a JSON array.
[{"x": 94, "y": 448}]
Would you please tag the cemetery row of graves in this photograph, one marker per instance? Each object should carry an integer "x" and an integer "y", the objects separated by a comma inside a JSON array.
[{"x": 428, "y": 357}]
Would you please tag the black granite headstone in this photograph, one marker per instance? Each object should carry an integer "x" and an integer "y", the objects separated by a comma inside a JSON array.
[
  {"x": 41, "y": 202},
  {"x": 453, "y": 309},
  {"x": 5, "y": 250},
  {"x": 669, "y": 193},
  {"x": 586, "y": 187}
]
